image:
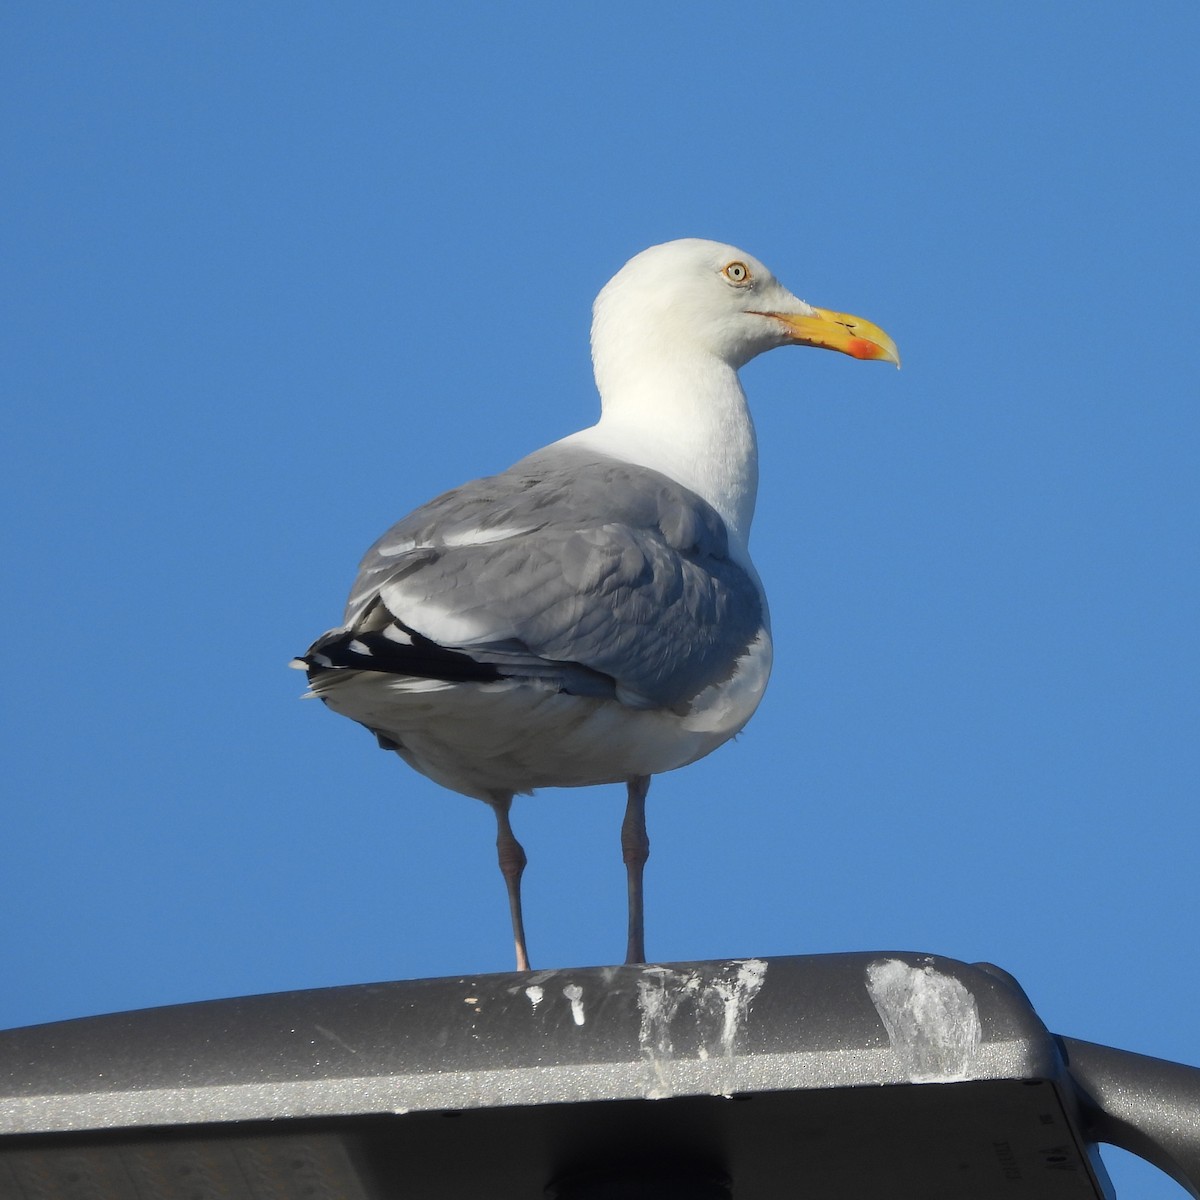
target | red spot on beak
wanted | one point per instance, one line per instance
(861, 348)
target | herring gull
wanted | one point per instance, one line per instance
(591, 615)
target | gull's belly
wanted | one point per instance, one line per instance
(514, 736)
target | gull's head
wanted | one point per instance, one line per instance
(698, 297)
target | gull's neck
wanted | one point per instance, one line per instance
(686, 416)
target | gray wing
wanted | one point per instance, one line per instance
(569, 560)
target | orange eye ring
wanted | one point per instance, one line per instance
(736, 272)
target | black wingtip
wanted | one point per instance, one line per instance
(418, 658)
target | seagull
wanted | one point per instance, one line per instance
(591, 615)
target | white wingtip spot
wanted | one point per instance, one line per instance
(482, 537)
(397, 548)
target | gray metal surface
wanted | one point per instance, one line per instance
(1145, 1105)
(891, 1074)
(544, 1037)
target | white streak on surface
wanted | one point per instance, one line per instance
(333, 1037)
(660, 993)
(574, 993)
(718, 1008)
(735, 996)
(535, 995)
(931, 1019)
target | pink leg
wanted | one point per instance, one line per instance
(512, 863)
(635, 849)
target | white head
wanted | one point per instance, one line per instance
(669, 332)
(694, 297)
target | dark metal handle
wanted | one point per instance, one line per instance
(1145, 1105)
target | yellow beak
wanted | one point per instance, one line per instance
(839, 331)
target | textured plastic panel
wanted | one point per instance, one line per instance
(994, 1140)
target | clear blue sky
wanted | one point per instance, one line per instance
(278, 273)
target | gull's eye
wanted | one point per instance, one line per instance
(737, 272)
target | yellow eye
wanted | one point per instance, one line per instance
(737, 272)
